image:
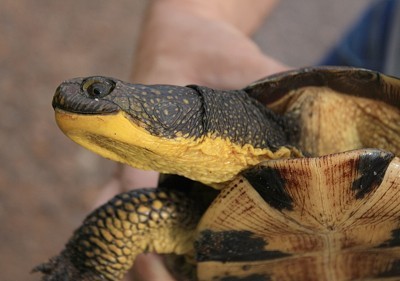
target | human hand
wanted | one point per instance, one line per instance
(193, 42)
(149, 267)
(199, 42)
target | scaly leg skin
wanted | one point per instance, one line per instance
(106, 245)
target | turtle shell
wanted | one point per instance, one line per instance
(335, 217)
(332, 216)
(335, 108)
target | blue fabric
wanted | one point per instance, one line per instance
(366, 43)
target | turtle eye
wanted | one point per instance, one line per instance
(98, 87)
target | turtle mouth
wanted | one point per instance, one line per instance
(85, 96)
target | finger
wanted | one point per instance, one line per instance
(132, 178)
(110, 189)
(125, 179)
(150, 267)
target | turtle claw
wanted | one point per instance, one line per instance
(59, 268)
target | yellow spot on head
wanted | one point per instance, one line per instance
(155, 91)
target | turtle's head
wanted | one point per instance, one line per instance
(126, 122)
(171, 129)
(160, 110)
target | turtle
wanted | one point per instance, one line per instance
(294, 177)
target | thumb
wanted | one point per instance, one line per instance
(150, 267)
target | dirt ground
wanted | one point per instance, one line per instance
(47, 183)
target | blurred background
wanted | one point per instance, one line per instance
(47, 183)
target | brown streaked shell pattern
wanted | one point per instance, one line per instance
(335, 217)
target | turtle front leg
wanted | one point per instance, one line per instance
(106, 245)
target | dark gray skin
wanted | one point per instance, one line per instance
(167, 111)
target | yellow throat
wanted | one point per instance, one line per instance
(208, 159)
